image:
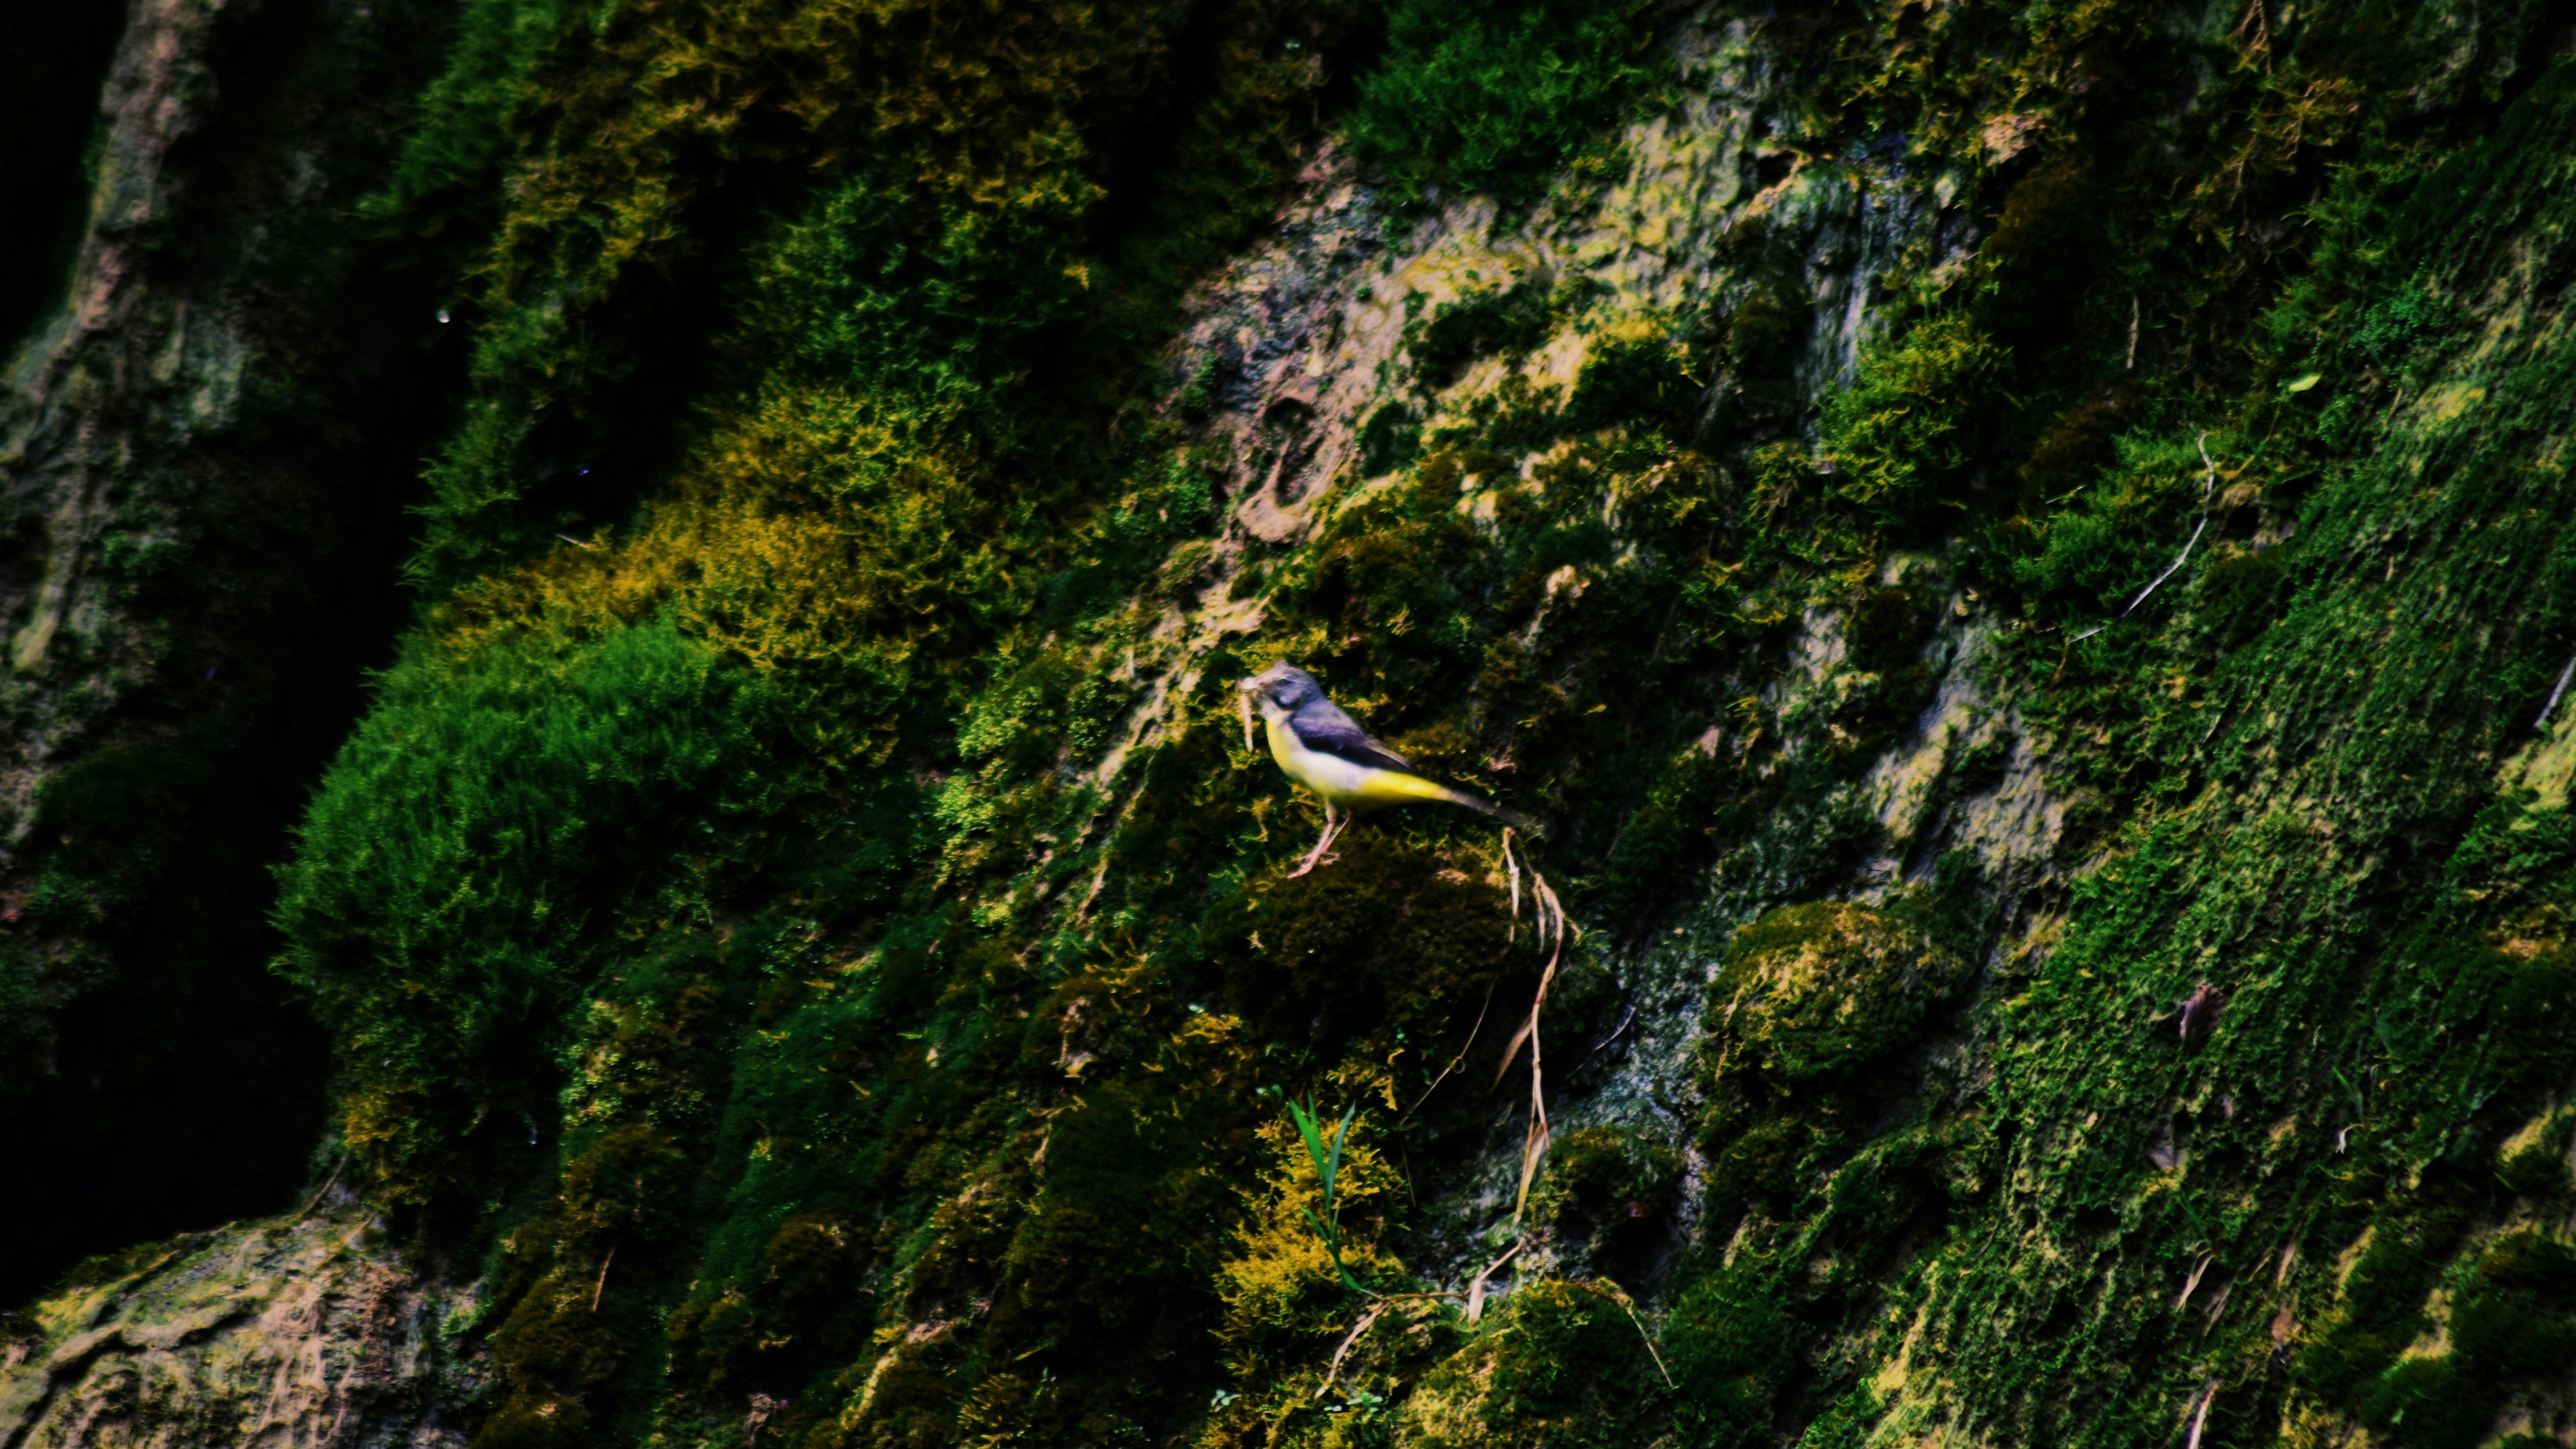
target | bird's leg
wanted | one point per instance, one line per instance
(1333, 834)
(1315, 857)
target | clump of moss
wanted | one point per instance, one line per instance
(1564, 1364)
(1729, 1345)
(2510, 1322)
(1388, 940)
(1891, 664)
(1638, 377)
(1807, 1022)
(1491, 97)
(1613, 1189)
(1285, 1300)
(1904, 439)
(1824, 989)
(474, 808)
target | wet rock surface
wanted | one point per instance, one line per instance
(301, 1332)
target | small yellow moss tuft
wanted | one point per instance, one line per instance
(1284, 1304)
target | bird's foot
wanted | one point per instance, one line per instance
(1315, 857)
(1310, 862)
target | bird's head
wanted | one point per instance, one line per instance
(1283, 687)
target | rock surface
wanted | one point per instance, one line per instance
(202, 469)
(303, 1333)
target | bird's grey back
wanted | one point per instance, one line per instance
(1320, 710)
(1323, 725)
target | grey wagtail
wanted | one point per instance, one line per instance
(1326, 751)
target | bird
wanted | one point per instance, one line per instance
(1322, 748)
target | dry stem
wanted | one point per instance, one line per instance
(2208, 482)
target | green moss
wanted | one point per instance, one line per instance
(1285, 1301)
(1493, 97)
(1614, 1190)
(2516, 1317)
(1564, 1364)
(798, 758)
(1903, 438)
(1635, 379)
(1389, 440)
(1728, 1344)
(461, 878)
(1388, 942)
(1819, 990)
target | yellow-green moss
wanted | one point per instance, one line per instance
(1824, 989)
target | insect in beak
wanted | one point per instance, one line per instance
(1243, 689)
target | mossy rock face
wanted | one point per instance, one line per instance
(1817, 990)
(1567, 1367)
(1614, 1187)
(803, 921)
(1600, 1174)
(1383, 939)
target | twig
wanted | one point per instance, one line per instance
(1620, 1031)
(2217, 1306)
(1512, 1049)
(2208, 1393)
(1551, 921)
(602, 1285)
(1534, 1149)
(1476, 1290)
(1536, 1152)
(1621, 1295)
(2194, 1281)
(1551, 913)
(1351, 1338)
(1456, 1061)
(2261, 39)
(2560, 688)
(2208, 482)
(328, 1183)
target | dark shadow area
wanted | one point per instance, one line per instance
(189, 1085)
(596, 463)
(190, 1091)
(52, 69)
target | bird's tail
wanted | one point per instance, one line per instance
(1503, 813)
(1394, 787)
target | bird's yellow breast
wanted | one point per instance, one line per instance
(1344, 783)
